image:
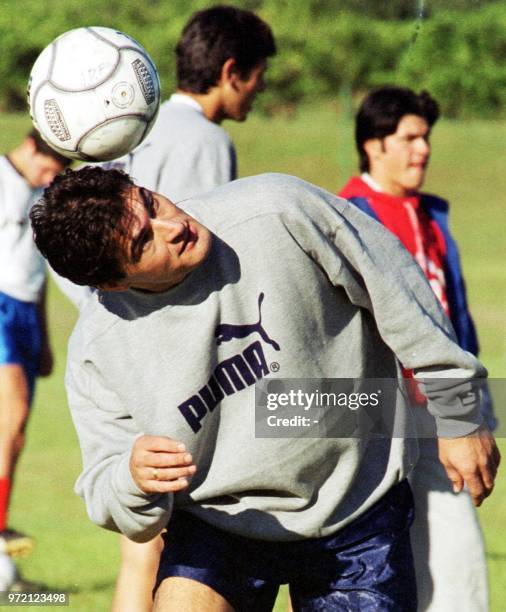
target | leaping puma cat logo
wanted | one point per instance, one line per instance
(227, 331)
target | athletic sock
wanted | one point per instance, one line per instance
(5, 489)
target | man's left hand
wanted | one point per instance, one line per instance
(472, 460)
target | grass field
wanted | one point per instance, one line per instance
(77, 557)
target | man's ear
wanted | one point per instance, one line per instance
(373, 148)
(229, 73)
(30, 145)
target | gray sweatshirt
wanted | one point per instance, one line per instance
(341, 299)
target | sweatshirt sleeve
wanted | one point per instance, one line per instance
(106, 436)
(378, 274)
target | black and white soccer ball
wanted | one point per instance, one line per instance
(94, 94)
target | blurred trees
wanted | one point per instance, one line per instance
(454, 48)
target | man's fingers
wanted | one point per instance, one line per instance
(164, 480)
(488, 472)
(488, 467)
(164, 486)
(456, 478)
(160, 465)
(477, 488)
(166, 474)
(167, 460)
(488, 481)
(146, 460)
(158, 444)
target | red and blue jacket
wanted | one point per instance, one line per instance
(383, 207)
(427, 235)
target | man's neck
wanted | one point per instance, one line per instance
(209, 102)
(367, 178)
(378, 183)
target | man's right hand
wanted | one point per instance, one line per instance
(160, 465)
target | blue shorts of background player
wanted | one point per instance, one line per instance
(20, 336)
(365, 566)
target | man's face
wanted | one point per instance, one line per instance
(164, 244)
(41, 169)
(238, 98)
(399, 161)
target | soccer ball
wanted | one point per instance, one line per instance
(94, 94)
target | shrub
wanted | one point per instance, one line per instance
(323, 45)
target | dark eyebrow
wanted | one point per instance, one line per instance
(138, 243)
(147, 200)
(146, 234)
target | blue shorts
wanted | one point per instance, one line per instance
(365, 566)
(20, 336)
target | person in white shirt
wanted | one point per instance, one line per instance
(24, 347)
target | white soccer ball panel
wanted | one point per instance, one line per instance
(82, 61)
(40, 70)
(125, 132)
(38, 75)
(117, 38)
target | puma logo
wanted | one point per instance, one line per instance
(226, 331)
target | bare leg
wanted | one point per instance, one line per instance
(14, 410)
(137, 574)
(184, 595)
(14, 407)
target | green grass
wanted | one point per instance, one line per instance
(316, 144)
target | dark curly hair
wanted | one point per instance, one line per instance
(79, 223)
(214, 35)
(381, 111)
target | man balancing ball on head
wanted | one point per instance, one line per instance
(153, 394)
(221, 59)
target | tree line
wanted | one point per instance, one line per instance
(454, 48)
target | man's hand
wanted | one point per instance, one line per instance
(472, 460)
(160, 465)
